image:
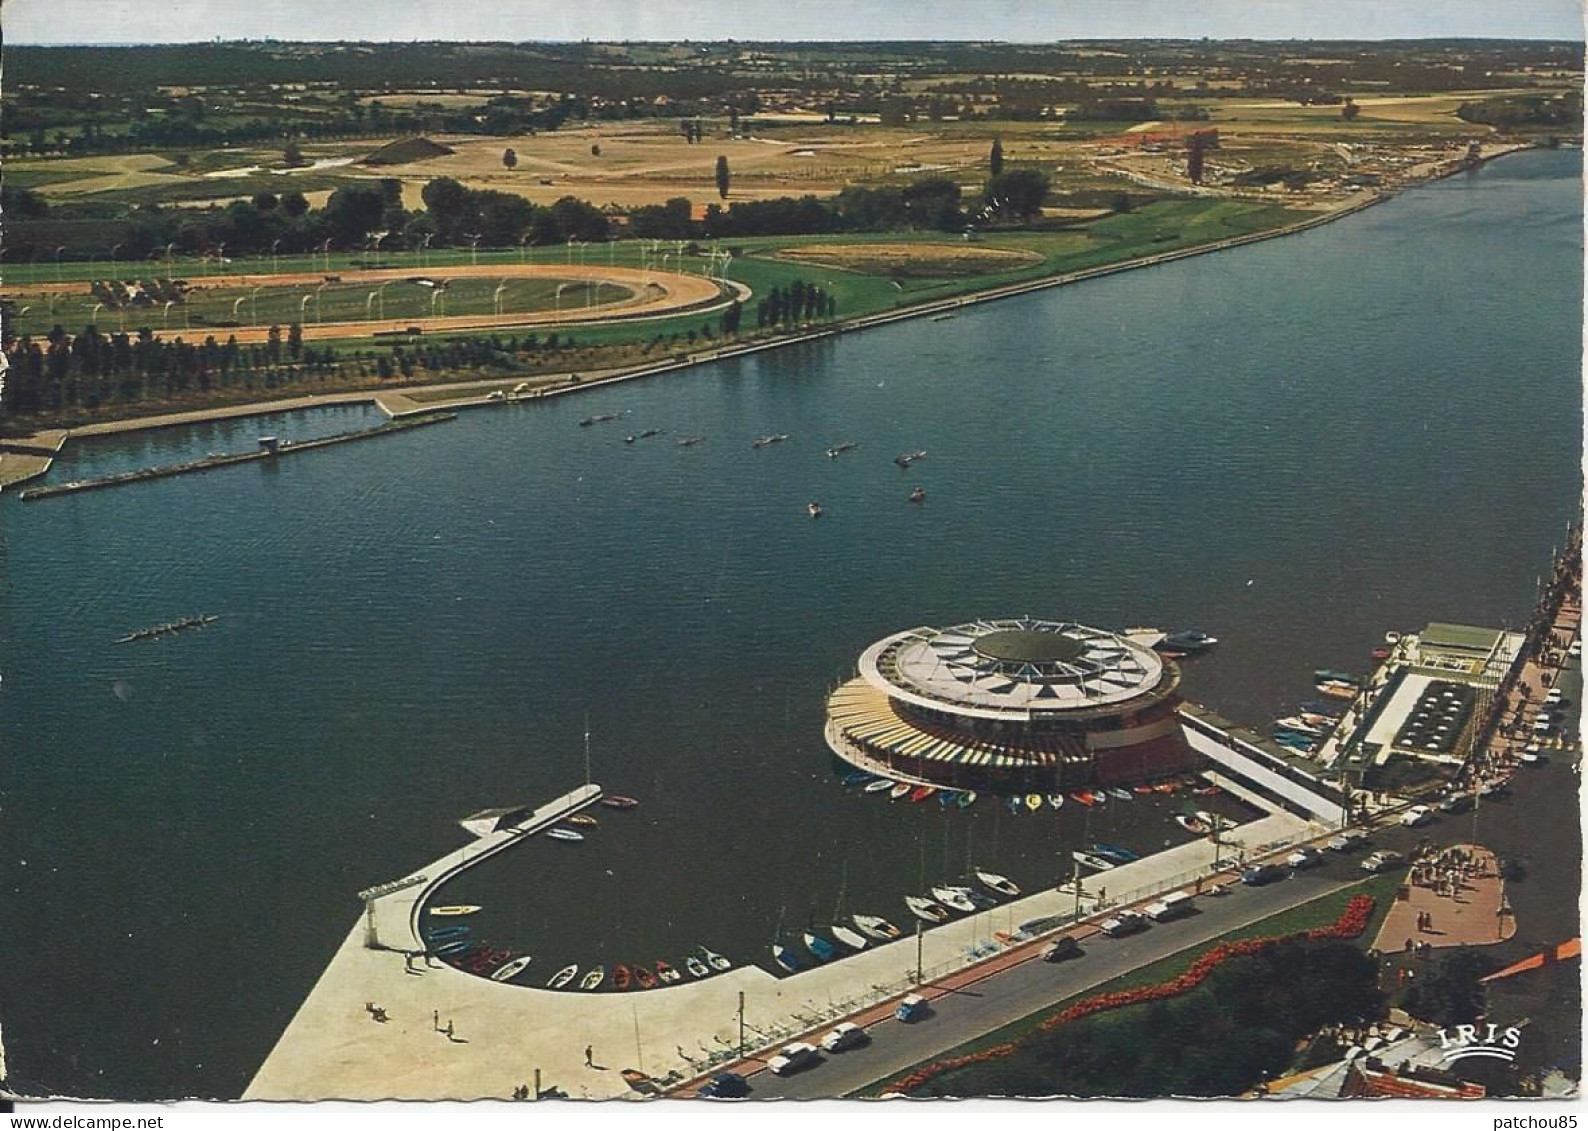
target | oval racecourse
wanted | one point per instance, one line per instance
(640, 295)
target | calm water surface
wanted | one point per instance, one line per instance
(1295, 446)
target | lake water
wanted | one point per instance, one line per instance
(1295, 446)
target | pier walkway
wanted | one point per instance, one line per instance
(503, 1034)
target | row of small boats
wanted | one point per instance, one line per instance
(1020, 802)
(936, 907)
(701, 963)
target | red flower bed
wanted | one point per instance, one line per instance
(1352, 922)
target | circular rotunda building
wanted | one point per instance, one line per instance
(1011, 705)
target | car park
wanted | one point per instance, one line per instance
(1381, 861)
(792, 1058)
(726, 1086)
(1304, 858)
(1124, 923)
(1062, 948)
(846, 1035)
(1417, 815)
(1348, 840)
(1260, 874)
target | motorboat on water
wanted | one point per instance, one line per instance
(696, 968)
(456, 909)
(560, 833)
(900, 789)
(1213, 820)
(967, 799)
(1000, 884)
(1084, 796)
(614, 801)
(600, 419)
(646, 980)
(665, 971)
(715, 960)
(1142, 789)
(583, 819)
(948, 798)
(1392, 638)
(1292, 722)
(1033, 801)
(1329, 675)
(859, 777)
(1092, 860)
(926, 909)
(1016, 803)
(839, 449)
(820, 948)
(875, 927)
(850, 937)
(880, 785)
(1121, 793)
(593, 979)
(1188, 642)
(690, 441)
(1115, 853)
(918, 495)
(922, 792)
(957, 898)
(1056, 800)
(562, 977)
(813, 509)
(785, 958)
(622, 977)
(453, 947)
(763, 441)
(1191, 825)
(512, 969)
(1337, 690)
(910, 457)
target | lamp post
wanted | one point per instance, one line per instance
(253, 303)
(524, 239)
(496, 298)
(474, 248)
(113, 249)
(58, 262)
(325, 250)
(165, 317)
(319, 311)
(303, 305)
(275, 262)
(169, 248)
(237, 303)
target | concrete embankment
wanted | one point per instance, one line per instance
(210, 463)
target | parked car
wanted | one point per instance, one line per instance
(1456, 803)
(1062, 948)
(1417, 815)
(1348, 840)
(1575, 649)
(1171, 906)
(1260, 874)
(1304, 858)
(845, 1036)
(726, 1086)
(1124, 923)
(793, 1058)
(1381, 861)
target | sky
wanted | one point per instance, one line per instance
(146, 21)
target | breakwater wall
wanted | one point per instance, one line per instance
(211, 463)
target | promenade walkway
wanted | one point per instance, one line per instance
(502, 1033)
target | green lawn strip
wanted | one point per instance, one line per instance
(1315, 913)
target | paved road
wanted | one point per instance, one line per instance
(1008, 996)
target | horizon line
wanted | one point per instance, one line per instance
(222, 42)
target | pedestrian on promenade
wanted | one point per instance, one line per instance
(589, 1056)
(435, 1019)
(448, 1029)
